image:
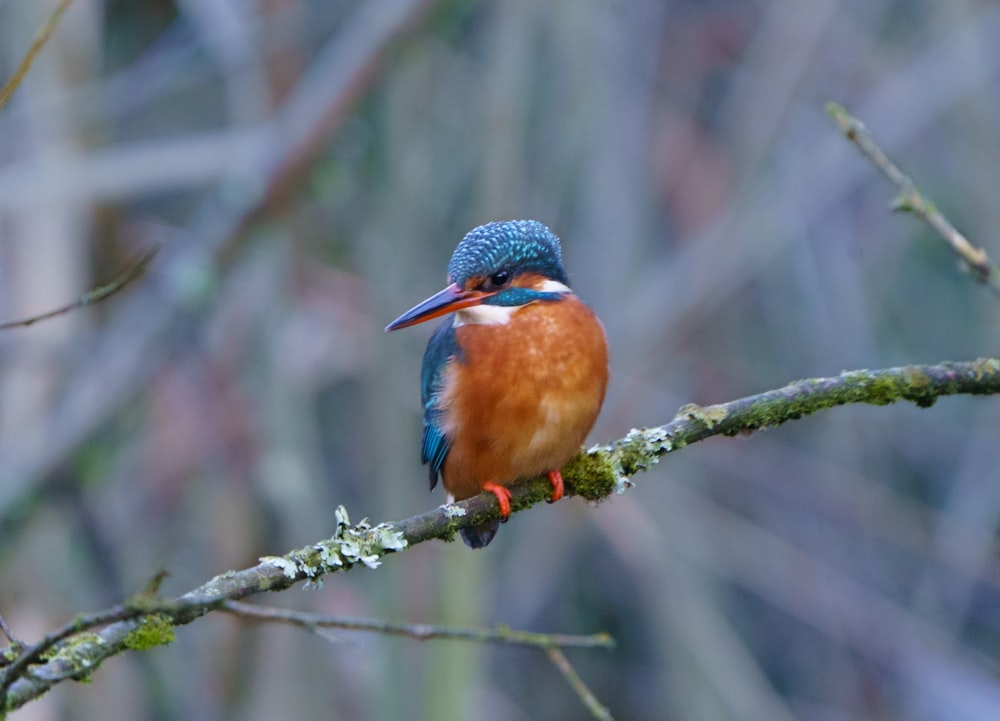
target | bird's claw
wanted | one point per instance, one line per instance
(502, 494)
(558, 489)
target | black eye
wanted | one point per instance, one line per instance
(499, 278)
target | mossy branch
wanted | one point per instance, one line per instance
(76, 650)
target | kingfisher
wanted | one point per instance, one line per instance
(512, 381)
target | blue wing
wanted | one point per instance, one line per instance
(441, 348)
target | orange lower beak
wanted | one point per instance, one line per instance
(441, 303)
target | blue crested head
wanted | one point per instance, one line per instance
(510, 247)
(502, 264)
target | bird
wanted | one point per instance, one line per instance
(513, 379)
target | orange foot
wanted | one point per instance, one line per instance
(555, 478)
(503, 498)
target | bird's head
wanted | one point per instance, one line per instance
(499, 266)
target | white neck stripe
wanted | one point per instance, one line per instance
(554, 286)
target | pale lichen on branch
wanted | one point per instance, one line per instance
(349, 546)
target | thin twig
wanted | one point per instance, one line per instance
(39, 42)
(597, 709)
(93, 296)
(418, 631)
(15, 646)
(911, 200)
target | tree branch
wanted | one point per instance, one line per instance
(416, 631)
(552, 643)
(145, 621)
(913, 201)
(597, 710)
(29, 57)
(96, 295)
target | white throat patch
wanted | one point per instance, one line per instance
(485, 315)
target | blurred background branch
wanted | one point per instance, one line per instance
(596, 708)
(416, 631)
(24, 66)
(130, 274)
(551, 643)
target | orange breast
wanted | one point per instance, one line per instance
(523, 396)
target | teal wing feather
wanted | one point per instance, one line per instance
(441, 349)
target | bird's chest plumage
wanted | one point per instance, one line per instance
(521, 396)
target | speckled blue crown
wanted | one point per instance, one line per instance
(519, 246)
